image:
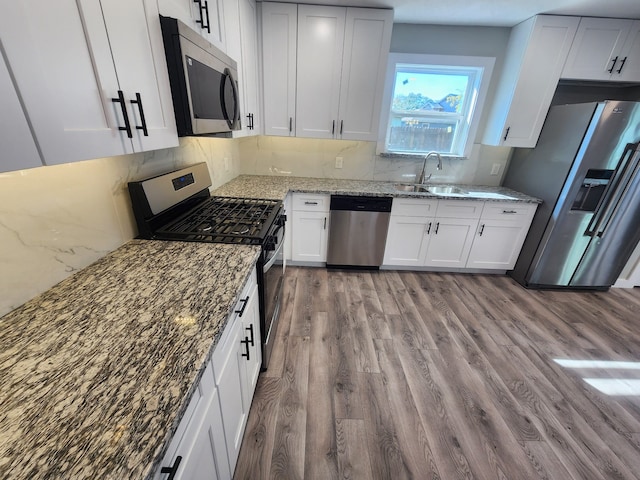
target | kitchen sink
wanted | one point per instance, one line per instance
(446, 190)
(410, 187)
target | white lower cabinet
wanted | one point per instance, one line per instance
(310, 225)
(431, 233)
(207, 441)
(198, 448)
(501, 232)
(456, 233)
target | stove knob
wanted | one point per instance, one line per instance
(281, 220)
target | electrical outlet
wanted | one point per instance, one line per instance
(338, 162)
(227, 164)
(495, 169)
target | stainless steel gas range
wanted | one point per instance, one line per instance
(178, 206)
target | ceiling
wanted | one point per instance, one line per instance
(503, 13)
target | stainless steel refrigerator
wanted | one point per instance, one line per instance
(586, 169)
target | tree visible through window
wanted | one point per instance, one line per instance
(432, 107)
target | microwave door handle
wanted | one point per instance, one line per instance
(233, 117)
(612, 191)
(621, 190)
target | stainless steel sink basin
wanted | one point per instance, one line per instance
(445, 190)
(410, 187)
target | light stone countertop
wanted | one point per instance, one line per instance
(97, 371)
(277, 187)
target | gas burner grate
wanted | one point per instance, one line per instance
(225, 220)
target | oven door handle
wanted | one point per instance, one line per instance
(276, 252)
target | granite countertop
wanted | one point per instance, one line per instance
(97, 371)
(277, 187)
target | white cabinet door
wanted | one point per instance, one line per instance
(198, 448)
(250, 67)
(535, 58)
(497, 244)
(364, 64)
(251, 347)
(207, 457)
(501, 232)
(242, 46)
(214, 16)
(630, 71)
(407, 240)
(310, 234)
(18, 146)
(229, 380)
(279, 46)
(136, 44)
(450, 242)
(319, 67)
(187, 11)
(603, 49)
(67, 77)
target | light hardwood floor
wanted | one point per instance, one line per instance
(394, 375)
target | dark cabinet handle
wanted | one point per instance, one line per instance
(506, 134)
(246, 346)
(429, 228)
(341, 125)
(324, 227)
(310, 203)
(613, 64)
(437, 227)
(244, 302)
(125, 115)
(290, 124)
(509, 211)
(622, 65)
(481, 230)
(333, 127)
(250, 328)
(250, 123)
(206, 11)
(203, 8)
(138, 101)
(173, 469)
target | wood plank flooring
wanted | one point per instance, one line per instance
(405, 375)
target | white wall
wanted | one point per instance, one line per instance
(56, 220)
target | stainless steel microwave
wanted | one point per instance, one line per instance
(203, 82)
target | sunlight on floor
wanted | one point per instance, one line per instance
(608, 386)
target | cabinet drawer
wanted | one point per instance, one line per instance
(460, 208)
(414, 207)
(309, 202)
(516, 212)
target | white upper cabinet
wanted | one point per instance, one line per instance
(279, 40)
(327, 80)
(605, 49)
(364, 63)
(320, 45)
(242, 45)
(535, 58)
(206, 17)
(18, 146)
(342, 57)
(80, 84)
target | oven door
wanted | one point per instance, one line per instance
(272, 278)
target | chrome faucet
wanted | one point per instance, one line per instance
(421, 178)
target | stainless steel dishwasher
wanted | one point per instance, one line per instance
(357, 231)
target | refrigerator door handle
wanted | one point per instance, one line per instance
(629, 172)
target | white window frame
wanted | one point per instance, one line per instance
(486, 63)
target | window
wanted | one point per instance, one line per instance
(433, 103)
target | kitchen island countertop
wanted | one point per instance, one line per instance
(97, 371)
(277, 187)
